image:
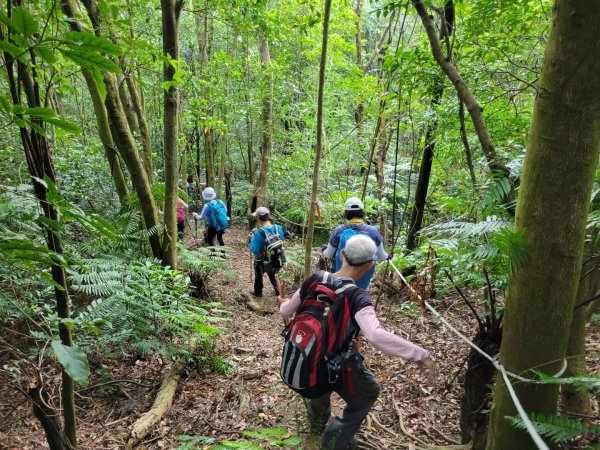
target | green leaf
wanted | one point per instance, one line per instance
(91, 60)
(11, 49)
(4, 104)
(42, 113)
(89, 41)
(46, 54)
(64, 124)
(74, 361)
(23, 22)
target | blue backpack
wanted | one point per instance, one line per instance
(365, 280)
(346, 234)
(218, 216)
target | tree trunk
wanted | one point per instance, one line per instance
(170, 31)
(360, 107)
(462, 89)
(319, 147)
(465, 139)
(126, 102)
(260, 187)
(416, 219)
(72, 10)
(556, 185)
(40, 165)
(126, 144)
(140, 113)
(128, 150)
(572, 399)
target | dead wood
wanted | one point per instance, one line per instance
(251, 304)
(162, 403)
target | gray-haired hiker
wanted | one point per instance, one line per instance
(320, 355)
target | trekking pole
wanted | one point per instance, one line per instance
(281, 287)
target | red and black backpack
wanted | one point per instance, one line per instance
(320, 336)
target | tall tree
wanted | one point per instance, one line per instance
(260, 187)
(171, 10)
(437, 91)
(558, 173)
(319, 146)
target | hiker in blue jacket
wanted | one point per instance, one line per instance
(214, 215)
(354, 212)
(262, 264)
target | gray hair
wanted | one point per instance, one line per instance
(359, 250)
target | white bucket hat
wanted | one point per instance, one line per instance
(209, 194)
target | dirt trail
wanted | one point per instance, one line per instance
(251, 396)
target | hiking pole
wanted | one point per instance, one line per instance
(281, 288)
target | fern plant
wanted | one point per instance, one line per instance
(557, 428)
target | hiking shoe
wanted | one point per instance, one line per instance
(255, 295)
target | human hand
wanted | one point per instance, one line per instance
(281, 300)
(389, 257)
(427, 368)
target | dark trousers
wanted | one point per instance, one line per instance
(180, 228)
(210, 236)
(258, 279)
(359, 389)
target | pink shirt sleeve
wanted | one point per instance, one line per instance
(383, 340)
(289, 308)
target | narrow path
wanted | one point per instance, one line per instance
(252, 395)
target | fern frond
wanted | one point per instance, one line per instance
(556, 428)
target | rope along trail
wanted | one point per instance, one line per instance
(541, 445)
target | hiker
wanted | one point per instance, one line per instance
(266, 244)
(180, 213)
(354, 212)
(343, 370)
(214, 215)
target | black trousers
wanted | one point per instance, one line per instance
(210, 236)
(258, 279)
(359, 389)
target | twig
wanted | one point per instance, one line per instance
(452, 441)
(217, 428)
(403, 428)
(117, 381)
(479, 321)
(383, 427)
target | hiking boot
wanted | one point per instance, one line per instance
(255, 295)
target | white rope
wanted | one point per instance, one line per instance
(530, 428)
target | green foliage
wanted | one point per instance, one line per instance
(275, 437)
(74, 361)
(556, 428)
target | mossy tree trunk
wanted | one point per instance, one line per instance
(557, 178)
(71, 10)
(126, 145)
(171, 10)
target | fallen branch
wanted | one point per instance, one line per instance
(404, 430)
(162, 403)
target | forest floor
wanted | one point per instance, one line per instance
(251, 396)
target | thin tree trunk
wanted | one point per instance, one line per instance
(463, 136)
(359, 109)
(126, 144)
(319, 147)
(556, 185)
(140, 113)
(126, 102)
(260, 187)
(170, 31)
(40, 165)
(72, 10)
(416, 219)
(462, 89)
